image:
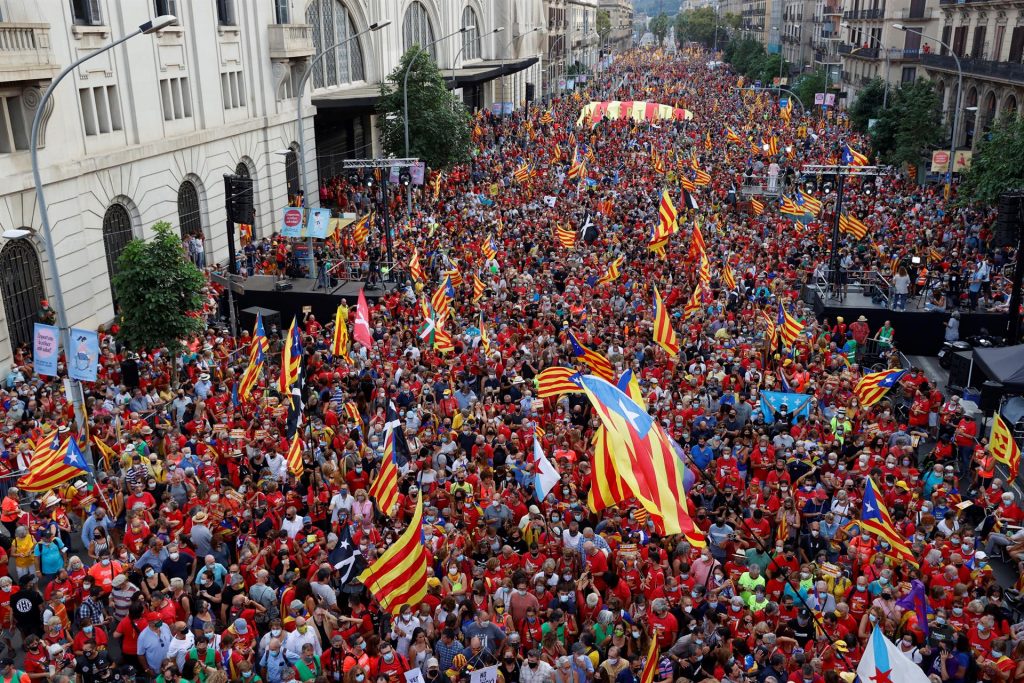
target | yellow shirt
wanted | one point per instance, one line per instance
(22, 550)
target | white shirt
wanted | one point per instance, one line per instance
(276, 463)
(338, 503)
(292, 527)
(179, 647)
(295, 640)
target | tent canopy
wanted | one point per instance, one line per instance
(638, 111)
(1004, 365)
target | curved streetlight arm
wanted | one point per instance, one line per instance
(408, 69)
(504, 58)
(44, 217)
(885, 54)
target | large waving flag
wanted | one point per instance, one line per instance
(565, 236)
(294, 457)
(788, 326)
(732, 136)
(399, 576)
(479, 289)
(727, 275)
(668, 216)
(291, 359)
(650, 671)
(791, 208)
(871, 388)
(884, 663)
(809, 203)
(62, 462)
(257, 358)
(1003, 447)
(852, 226)
(643, 456)
(384, 489)
(361, 325)
(613, 273)
(875, 517)
(852, 157)
(601, 366)
(557, 380)
(664, 335)
(545, 476)
(415, 269)
(607, 488)
(693, 305)
(339, 343)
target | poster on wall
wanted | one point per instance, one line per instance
(45, 349)
(291, 222)
(318, 222)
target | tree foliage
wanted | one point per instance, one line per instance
(159, 291)
(697, 26)
(439, 125)
(749, 58)
(808, 84)
(604, 24)
(996, 166)
(868, 104)
(909, 129)
(659, 26)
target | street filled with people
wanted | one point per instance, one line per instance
(226, 528)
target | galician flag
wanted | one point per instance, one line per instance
(884, 663)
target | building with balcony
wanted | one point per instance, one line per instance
(620, 14)
(872, 48)
(145, 132)
(755, 20)
(799, 21)
(584, 43)
(826, 38)
(988, 39)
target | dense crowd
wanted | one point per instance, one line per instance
(198, 555)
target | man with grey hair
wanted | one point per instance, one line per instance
(535, 670)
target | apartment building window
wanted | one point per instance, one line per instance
(162, 7)
(978, 45)
(14, 124)
(417, 29)
(233, 88)
(282, 11)
(86, 12)
(175, 98)
(226, 12)
(101, 110)
(21, 284)
(332, 25)
(1016, 44)
(909, 74)
(117, 233)
(470, 39)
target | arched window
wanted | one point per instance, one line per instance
(188, 209)
(417, 29)
(21, 283)
(332, 24)
(117, 233)
(242, 169)
(471, 38)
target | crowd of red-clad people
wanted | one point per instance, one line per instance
(198, 555)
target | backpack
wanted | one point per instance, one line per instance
(273, 611)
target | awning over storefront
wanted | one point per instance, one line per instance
(365, 97)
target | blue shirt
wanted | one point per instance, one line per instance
(51, 556)
(153, 646)
(90, 525)
(702, 455)
(277, 663)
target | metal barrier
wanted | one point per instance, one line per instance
(869, 283)
(762, 185)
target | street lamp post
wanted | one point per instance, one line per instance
(957, 104)
(75, 388)
(405, 98)
(504, 58)
(461, 49)
(885, 55)
(298, 116)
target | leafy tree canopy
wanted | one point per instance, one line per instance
(868, 104)
(604, 23)
(159, 292)
(659, 26)
(996, 166)
(439, 125)
(909, 129)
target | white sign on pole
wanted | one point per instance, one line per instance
(488, 675)
(414, 676)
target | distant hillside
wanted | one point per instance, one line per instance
(651, 7)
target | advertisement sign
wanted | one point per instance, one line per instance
(940, 161)
(45, 349)
(819, 98)
(291, 222)
(317, 223)
(83, 360)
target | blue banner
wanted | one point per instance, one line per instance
(772, 402)
(317, 223)
(45, 349)
(84, 356)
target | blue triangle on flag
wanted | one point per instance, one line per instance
(73, 456)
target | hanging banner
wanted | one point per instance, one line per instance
(45, 349)
(317, 224)
(291, 222)
(84, 358)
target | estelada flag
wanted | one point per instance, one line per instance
(664, 335)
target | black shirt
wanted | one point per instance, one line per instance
(26, 606)
(89, 667)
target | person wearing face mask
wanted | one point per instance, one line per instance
(536, 670)
(303, 634)
(276, 660)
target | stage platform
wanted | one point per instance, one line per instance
(918, 332)
(259, 290)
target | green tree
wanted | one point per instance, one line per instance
(697, 26)
(604, 24)
(868, 104)
(439, 125)
(659, 27)
(996, 166)
(808, 84)
(909, 129)
(159, 291)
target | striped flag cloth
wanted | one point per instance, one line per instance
(339, 343)
(657, 163)
(727, 277)
(601, 366)
(546, 118)
(701, 177)
(667, 216)
(415, 269)
(872, 387)
(257, 357)
(384, 489)
(875, 517)
(578, 167)
(59, 462)
(650, 671)
(771, 330)
(291, 359)
(707, 141)
(810, 203)
(687, 184)
(456, 276)
(352, 411)
(441, 299)
(566, 237)
(399, 576)
(664, 335)
(789, 327)
(478, 288)
(704, 271)
(361, 229)
(693, 304)
(791, 208)
(487, 248)
(613, 273)
(757, 207)
(852, 226)
(852, 157)
(108, 454)
(294, 457)
(557, 380)
(522, 174)
(485, 342)
(732, 136)
(1003, 447)
(443, 342)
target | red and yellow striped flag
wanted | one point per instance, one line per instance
(478, 289)
(664, 335)
(53, 463)
(757, 207)
(384, 489)
(613, 272)
(361, 229)
(727, 277)
(291, 360)
(693, 304)
(565, 236)
(399, 576)
(707, 141)
(352, 411)
(415, 269)
(668, 217)
(294, 457)
(650, 671)
(485, 341)
(339, 343)
(555, 381)
(1003, 447)
(599, 364)
(852, 226)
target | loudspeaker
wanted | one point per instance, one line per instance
(530, 91)
(991, 392)
(1009, 218)
(238, 199)
(247, 318)
(959, 370)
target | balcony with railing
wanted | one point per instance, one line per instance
(830, 9)
(864, 15)
(894, 54)
(25, 52)
(983, 68)
(915, 14)
(291, 41)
